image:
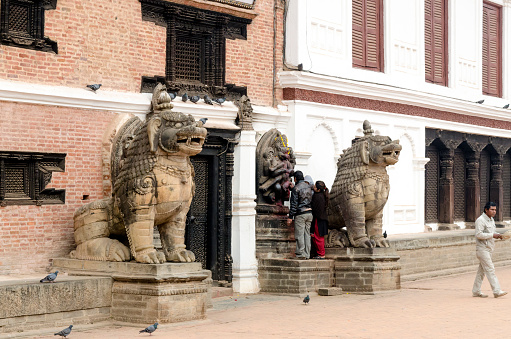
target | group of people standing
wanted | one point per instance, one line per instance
(308, 211)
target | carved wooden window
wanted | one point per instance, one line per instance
(22, 24)
(431, 185)
(459, 185)
(506, 182)
(492, 50)
(484, 178)
(435, 41)
(24, 177)
(367, 34)
(195, 43)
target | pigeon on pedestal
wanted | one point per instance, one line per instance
(94, 87)
(50, 277)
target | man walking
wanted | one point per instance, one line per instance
(485, 243)
(300, 210)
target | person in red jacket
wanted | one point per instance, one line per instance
(319, 226)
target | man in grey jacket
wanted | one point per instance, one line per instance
(485, 243)
(300, 210)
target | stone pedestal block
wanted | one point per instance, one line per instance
(274, 238)
(291, 276)
(148, 293)
(28, 304)
(365, 270)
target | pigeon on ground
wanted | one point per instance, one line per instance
(184, 97)
(203, 120)
(385, 234)
(172, 96)
(480, 101)
(219, 101)
(195, 99)
(306, 299)
(50, 277)
(65, 332)
(150, 329)
(506, 106)
(208, 100)
(94, 87)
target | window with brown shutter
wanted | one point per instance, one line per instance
(492, 50)
(435, 41)
(367, 34)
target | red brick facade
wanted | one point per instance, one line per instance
(107, 43)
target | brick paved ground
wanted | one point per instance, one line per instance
(435, 308)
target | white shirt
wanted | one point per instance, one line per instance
(485, 227)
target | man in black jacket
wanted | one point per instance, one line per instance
(300, 210)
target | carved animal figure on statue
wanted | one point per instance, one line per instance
(153, 185)
(361, 188)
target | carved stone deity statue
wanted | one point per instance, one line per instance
(275, 164)
(361, 188)
(153, 184)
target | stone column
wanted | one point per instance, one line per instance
(497, 186)
(244, 266)
(446, 191)
(472, 189)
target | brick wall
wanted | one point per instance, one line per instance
(108, 43)
(31, 235)
(250, 63)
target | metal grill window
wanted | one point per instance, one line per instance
(188, 60)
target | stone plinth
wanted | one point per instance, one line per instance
(148, 293)
(28, 304)
(274, 238)
(291, 276)
(365, 270)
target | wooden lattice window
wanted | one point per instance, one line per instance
(484, 177)
(22, 24)
(196, 38)
(367, 34)
(492, 50)
(24, 177)
(435, 41)
(431, 185)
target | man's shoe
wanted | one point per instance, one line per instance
(480, 295)
(500, 294)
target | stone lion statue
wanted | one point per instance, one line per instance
(361, 188)
(153, 184)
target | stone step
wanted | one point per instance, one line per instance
(218, 292)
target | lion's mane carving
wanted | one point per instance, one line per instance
(361, 188)
(153, 184)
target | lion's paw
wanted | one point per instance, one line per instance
(118, 251)
(181, 255)
(363, 242)
(381, 242)
(153, 257)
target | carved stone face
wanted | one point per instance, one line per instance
(176, 133)
(384, 151)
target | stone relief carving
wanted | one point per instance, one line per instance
(275, 164)
(153, 184)
(361, 188)
(245, 110)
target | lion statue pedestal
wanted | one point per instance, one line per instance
(363, 260)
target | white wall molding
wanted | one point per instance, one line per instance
(460, 105)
